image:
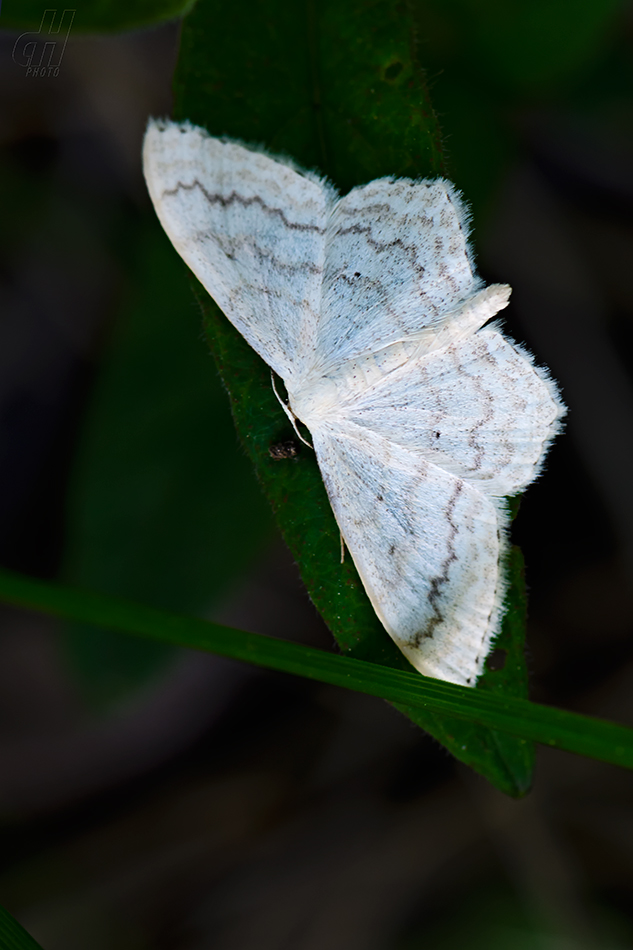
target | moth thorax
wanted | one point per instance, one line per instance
(315, 400)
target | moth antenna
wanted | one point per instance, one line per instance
(342, 547)
(288, 412)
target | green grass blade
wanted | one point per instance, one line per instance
(518, 717)
(338, 87)
(13, 936)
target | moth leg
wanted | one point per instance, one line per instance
(288, 411)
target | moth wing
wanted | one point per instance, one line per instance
(426, 544)
(478, 409)
(252, 230)
(397, 259)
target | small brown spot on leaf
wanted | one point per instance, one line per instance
(393, 71)
(497, 660)
(284, 450)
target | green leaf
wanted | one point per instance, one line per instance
(338, 87)
(505, 714)
(161, 507)
(95, 16)
(13, 936)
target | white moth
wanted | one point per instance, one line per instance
(367, 306)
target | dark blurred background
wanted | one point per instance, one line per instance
(152, 799)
